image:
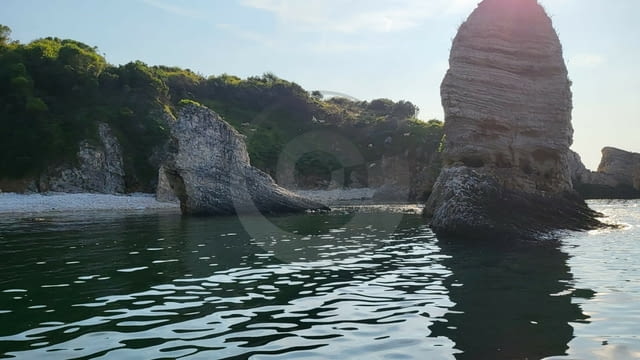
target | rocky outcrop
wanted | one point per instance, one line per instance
(580, 175)
(507, 103)
(207, 168)
(616, 178)
(99, 168)
(622, 165)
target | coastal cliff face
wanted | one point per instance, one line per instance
(207, 168)
(99, 168)
(507, 103)
(618, 176)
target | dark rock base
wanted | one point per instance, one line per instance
(476, 206)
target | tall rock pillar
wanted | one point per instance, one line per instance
(507, 104)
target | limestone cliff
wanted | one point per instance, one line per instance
(617, 176)
(208, 168)
(99, 168)
(507, 103)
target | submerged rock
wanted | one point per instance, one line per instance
(99, 168)
(208, 169)
(617, 176)
(507, 103)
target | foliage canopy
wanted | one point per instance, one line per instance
(54, 92)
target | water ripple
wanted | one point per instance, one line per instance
(325, 287)
(359, 289)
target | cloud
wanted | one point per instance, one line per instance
(334, 47)
(352, 16)
(249, 35)
(175, 9)
(587, 60)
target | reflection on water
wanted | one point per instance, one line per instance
(608, 262)
(371, 284)
(513, 301)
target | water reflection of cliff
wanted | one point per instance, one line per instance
(512, 300)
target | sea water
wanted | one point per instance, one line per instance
(357, 283)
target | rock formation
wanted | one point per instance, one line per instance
(507, 103)
(208, 169)
(99, 168)
(405, 177)
(164, 191)
(622, 165)
(617, 176)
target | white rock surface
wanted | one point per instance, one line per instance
(100, 168)
(208, 169)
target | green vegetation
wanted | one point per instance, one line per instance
(53, 93)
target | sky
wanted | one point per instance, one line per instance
(367, 49)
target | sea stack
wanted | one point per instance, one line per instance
(207, 168)
(507, 104)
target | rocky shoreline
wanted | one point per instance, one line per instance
(12, 203)
(59, 202)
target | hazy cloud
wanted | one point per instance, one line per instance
(587, 60)
(351, 16)
(174, 9)
(249, 35)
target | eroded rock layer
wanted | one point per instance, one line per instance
(208, 169)
(507, 103)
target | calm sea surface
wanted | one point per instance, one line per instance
(358, 283)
